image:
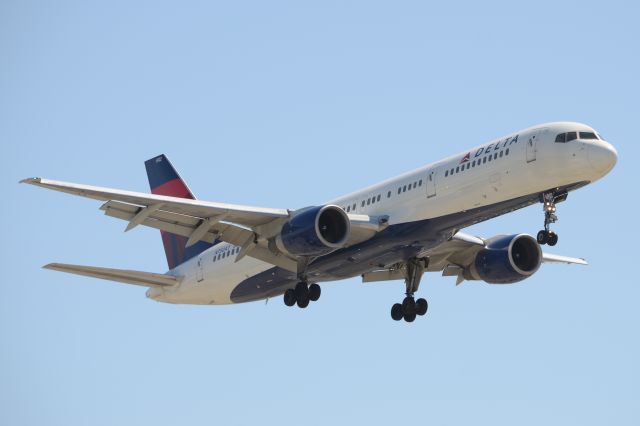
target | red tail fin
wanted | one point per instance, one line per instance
(164, 180)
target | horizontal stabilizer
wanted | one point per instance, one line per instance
(146, 279)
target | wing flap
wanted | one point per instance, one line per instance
(186, 226)
(145, 279)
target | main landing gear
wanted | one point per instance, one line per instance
(549, 200)
(410, 308)
(302, 294)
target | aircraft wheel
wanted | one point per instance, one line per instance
(303, 303)
(289, 297)
(553, 239)
(302, 291)
(409, 305)
(314, 292)
(410, 317)
(421, 306)
(542, 237)
(396, 312)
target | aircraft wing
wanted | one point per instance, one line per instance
(146, 279)
(462, 249)
(244, 215)
(244, 226)
(452, 256)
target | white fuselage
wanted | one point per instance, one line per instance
(522, 163)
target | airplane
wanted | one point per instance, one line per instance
(399, 229)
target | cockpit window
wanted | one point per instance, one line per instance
(588, 135)
(562, 137)
(572, 136)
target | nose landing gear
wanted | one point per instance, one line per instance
(549, 200)
(410, 308)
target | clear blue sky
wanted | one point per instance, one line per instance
(286, 104)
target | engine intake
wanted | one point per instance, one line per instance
(506, 260)
(314, 231)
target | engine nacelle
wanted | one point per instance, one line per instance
(314, 231)
(506, 260)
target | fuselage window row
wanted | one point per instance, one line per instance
(475, 163)
(226, 253)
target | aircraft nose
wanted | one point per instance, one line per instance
(602, 156)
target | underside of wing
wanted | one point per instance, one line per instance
(145, 279)
(457, 257)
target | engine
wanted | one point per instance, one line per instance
(506, 260)
(314, 231)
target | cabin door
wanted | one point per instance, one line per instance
(431, 184)
(200, 272)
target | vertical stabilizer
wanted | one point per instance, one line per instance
(164, 180)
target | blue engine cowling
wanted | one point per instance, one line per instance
(315, 231)
(506, 260)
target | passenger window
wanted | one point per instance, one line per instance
(404, 188)
(368, 201)
(354, 207)
(420, 182)
(501, 154)
(506, 152)
(378, 199)
(572, 136)
(495, 156)
(348, 209)
(457, 169)
(399, 190)
(363, 203)
(588, 135)
(415, 184)
(468, 166)
(389, 194)
(446, 173)
(561, 138)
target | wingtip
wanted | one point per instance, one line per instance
(31, 180)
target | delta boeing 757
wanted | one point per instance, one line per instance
(396, 230)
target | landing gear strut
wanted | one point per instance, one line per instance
(302, 294)
(410, 308)
(549, 200)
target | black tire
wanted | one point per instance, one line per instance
(303, 303)
(553, 239)
(289, 297)
(410, 317)
(542, 237)
(409, 305)
(314, 292)
(397, 312)
(302, 291)
(421, 306)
